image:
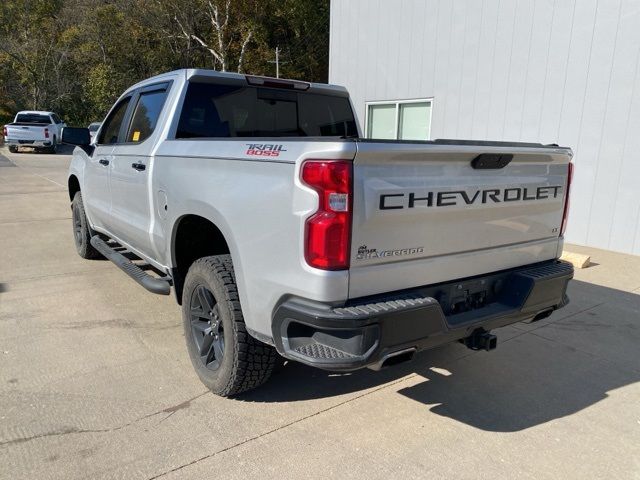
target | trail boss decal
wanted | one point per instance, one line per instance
(265, 149)
(365, 252)
(395, 201)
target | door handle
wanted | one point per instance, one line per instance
(138, 166)
(104, 161)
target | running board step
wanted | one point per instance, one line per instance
(153, 284)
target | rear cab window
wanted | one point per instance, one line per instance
(32, 118)
(235, 111)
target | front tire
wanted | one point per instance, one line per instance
(82, 232)
(227, 359)
(13, 149)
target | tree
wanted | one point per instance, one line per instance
(28, 39)
(225, 34)
(77, 56)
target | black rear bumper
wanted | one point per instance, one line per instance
(365, 332)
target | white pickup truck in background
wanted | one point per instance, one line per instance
(35, 129)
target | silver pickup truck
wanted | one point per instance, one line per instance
(282, 231)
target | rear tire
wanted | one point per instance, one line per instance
(13, 149)
(227, 359)
(54, 146)
(82, 232)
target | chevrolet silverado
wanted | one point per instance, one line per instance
(283, 232)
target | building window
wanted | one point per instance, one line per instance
(401, 120)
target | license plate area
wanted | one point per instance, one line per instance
(460, 297)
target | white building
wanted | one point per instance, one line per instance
(550, 71)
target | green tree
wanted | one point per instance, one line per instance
(77, 56)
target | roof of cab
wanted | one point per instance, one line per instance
(35, 112)
(201, 72)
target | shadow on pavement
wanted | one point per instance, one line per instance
(530, 379)
(63, 149)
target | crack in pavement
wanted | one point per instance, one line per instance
(75, 430)
(281, 427)
(26, 169)
(33, 220)
(88, 271)
(55, 433)
(174, 408)
(34, 192)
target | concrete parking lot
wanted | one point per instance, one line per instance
(95, 381)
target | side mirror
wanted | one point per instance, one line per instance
(76, 136)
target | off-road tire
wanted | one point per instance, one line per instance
(82, 232)
(246, 362)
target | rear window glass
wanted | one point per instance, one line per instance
(32, 118)
(211, 111)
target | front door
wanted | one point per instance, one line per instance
(96, 193)
(131, 208)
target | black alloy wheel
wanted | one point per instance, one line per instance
(76, 217)
(207, 328)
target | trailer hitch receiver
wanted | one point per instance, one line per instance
(480, 339)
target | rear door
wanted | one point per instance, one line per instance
(97, 191)
(131, 210)
(432, 212)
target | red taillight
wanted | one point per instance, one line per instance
(4, 132)
(46, 133)
(328, 231)
(565, 212)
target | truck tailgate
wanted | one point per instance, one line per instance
(425, 213)
(26, 132)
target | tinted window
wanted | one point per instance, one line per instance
(146, 115)
(113, 123)
(56, 118)
(32, 118)
(237, 111)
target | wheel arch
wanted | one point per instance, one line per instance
(74, 186)
(193, 237)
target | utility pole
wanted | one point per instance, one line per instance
(277, 62)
